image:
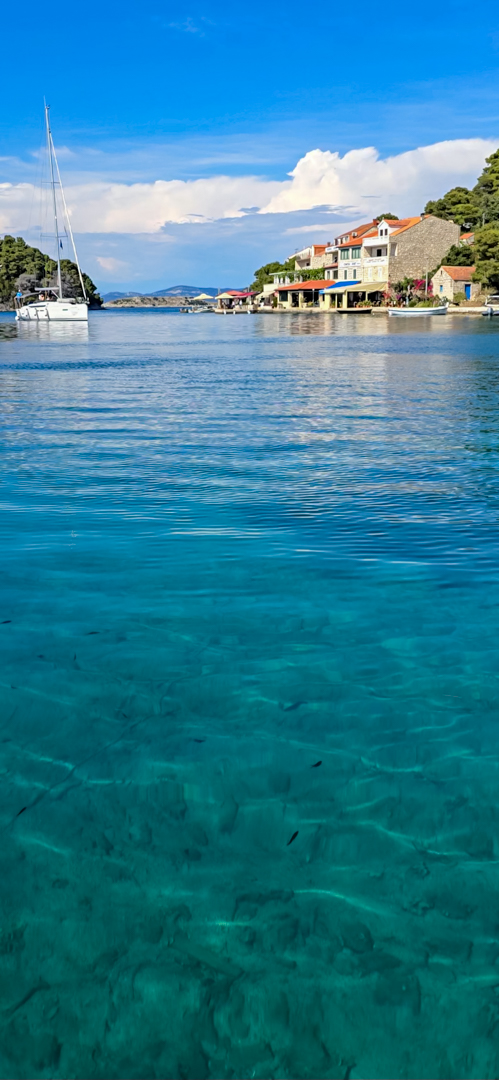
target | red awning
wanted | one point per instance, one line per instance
(302, 285)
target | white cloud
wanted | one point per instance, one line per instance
(187, 27)
(360, 182)
(111, 265)
(360, 178)
(101, 207)
(308, 229)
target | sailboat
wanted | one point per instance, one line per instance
(50, 304)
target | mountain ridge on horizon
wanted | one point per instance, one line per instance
(174, 290)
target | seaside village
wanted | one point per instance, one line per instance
(362, 268)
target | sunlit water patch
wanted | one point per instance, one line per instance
(250, 763)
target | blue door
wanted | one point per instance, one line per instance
(467, 292)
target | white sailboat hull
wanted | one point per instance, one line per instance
(409, 313)
(52, 311)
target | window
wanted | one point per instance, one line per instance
(345, 275)
(356, 253)
(345, 254)
(393, 249)
(441, 288)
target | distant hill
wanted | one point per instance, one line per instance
(117, 295)
(174, 290)
(186, 290)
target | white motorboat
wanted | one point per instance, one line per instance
(491, 305)
(50, 304)
(410, 312)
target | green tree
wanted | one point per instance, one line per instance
(488, 182)
(71, 282)
(471, 209)
(459, 205)
(386, 217)
(487, 255)
(263, 276)
(459, 255)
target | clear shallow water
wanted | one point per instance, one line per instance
(233, 549)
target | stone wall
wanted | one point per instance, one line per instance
(421, 248)
(318, 261)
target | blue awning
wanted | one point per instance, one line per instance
(339, 285)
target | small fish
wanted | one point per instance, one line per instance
(295, 834)
(316, 766)
(5, 621)
(40, 656)
(19, 812)
(90, 632)
(295, 705)
(199, 740)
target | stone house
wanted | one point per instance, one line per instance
(411, 247)
(450, 280)
(384, 252)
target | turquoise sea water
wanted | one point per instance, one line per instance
(249, 590)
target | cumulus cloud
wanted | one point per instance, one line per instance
(359, 177)
(102, 207)
(360, 182)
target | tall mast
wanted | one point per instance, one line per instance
(68, 220)
(52, 184)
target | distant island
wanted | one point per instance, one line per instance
(158, 300)
(28, 270)
(180, 291)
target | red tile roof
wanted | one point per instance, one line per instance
(405, 223)
(459, 273)
(359, 230)
(357, 242)
(304, 285)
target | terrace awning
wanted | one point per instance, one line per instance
(303, 286)
(341, 286)
(354, 286)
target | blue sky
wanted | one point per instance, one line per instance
(179, 125)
